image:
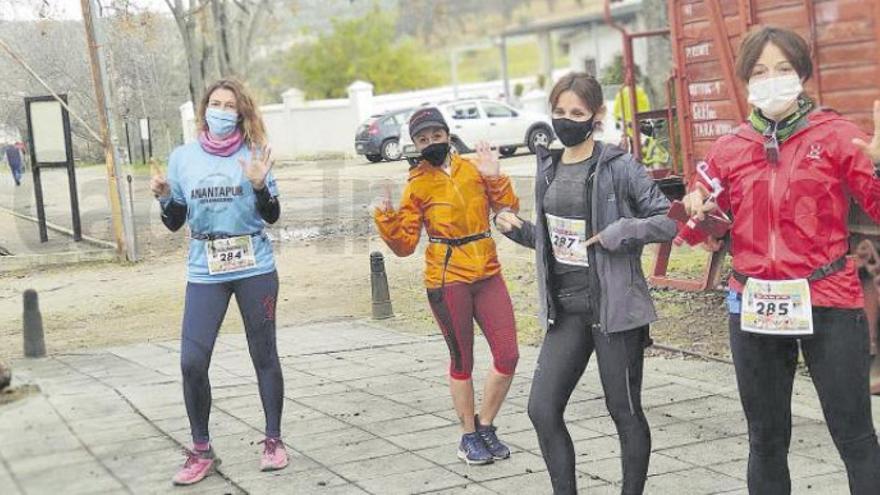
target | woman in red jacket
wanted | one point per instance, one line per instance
(788, 176)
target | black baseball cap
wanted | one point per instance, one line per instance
(426, 118)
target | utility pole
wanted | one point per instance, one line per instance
(502, 47)
(123, 221)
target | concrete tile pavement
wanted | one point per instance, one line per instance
(367, 412)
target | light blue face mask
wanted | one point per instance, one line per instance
(220, 122)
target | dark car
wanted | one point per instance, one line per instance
(378, 138)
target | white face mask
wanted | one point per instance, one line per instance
(775, 95)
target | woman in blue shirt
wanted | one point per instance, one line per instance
(222, 188)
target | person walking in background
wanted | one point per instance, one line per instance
(15, 161)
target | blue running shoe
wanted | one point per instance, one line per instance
(498, 450)
(473, 451)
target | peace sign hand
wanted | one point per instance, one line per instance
(158, 183)
(872, 149)
(383, 204)
(259, 166)
(487, 160)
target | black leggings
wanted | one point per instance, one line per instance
(202, 316)
(839, 362)
(564, 355)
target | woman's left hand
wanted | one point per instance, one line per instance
(487, 160)
(257, 169)
(872, 149)
(596, 239)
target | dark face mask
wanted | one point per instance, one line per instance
(436, 153)
(572, 133)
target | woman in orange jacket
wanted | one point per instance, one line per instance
(452, 197)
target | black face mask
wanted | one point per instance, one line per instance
(572, 133)
(436, 153)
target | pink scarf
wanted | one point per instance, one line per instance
(221, 147)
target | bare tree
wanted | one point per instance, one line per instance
(217, 37)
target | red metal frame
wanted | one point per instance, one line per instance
(721, 40)
(681, 115)
(810, 7)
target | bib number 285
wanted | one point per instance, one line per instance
(772, 309)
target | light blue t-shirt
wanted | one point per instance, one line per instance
(219, 199)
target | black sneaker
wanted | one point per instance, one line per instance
(498, 450)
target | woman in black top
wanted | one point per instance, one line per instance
(596, 208)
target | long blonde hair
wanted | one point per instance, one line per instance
(250, 122)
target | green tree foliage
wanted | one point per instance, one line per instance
(613, 74)
(368, 49)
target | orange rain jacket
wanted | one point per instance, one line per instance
(451, 206)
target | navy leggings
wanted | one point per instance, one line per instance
(203, 314)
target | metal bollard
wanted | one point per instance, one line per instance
(34, 345)
(5, 376)
(379, 283)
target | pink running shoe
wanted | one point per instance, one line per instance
(274, 455)
(198, 465)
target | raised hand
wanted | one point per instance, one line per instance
(872, 149)
(487, 160)
(257, 169)
(158, 184)
(382, 203)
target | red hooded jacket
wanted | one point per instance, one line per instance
(790, 218)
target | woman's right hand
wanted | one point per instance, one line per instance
(383, 204)
(872, 149)
(507, 221)
(158, 184)
(695, 203)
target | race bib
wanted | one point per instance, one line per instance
(780, 307)
(569, 239)
(230, 255)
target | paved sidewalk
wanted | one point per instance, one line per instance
(367, 411)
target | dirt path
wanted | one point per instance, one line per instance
(96, 305)
(323, 243)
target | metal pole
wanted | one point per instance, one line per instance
(453, 62)
(131, 208)
(149, 137)
(143, 149)
(41, 207)
(123, 226)
(128, 141)
(502, 45)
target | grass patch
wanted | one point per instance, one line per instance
(523, 60)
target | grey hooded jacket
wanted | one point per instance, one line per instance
(629, 211)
